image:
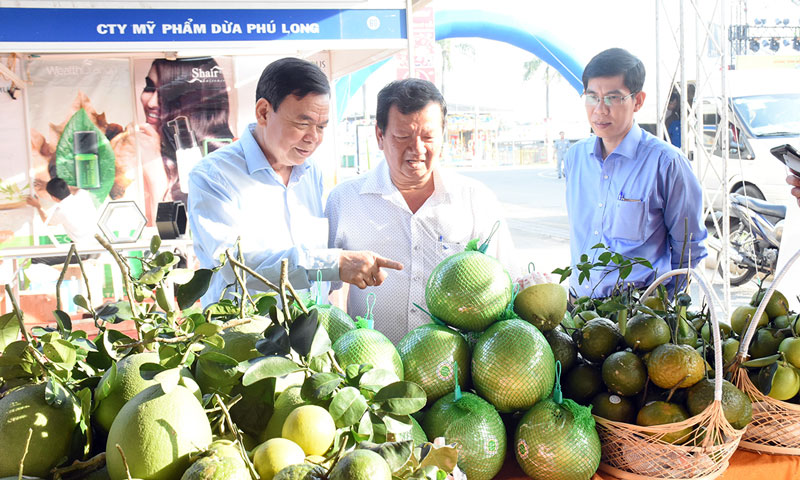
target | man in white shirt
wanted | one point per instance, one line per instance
(409, 209)
(76, 213)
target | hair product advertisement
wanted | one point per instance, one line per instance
(186, 109)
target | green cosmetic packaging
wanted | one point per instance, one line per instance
(87, 164)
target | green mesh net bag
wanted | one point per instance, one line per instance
(365, 345)
(557, 440)
(430, 353)
(469, 290)
(476, 429)
(513, 365)
(333, 319)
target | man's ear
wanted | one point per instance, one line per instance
(263, 107)
(638, 101)
(379, 136)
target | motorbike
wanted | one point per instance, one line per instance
(755, 236)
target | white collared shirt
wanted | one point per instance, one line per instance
(370, 213)
(77, 214)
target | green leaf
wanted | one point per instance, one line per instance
(396, 454)
(275, 342)
(264, 302)
(401, 398)
(81, 301)
(347, 407)
(152, 276)
(9, 329)
(190, 292)
(605, 257)
(269, 367)
(155, 244)
(598, 246)
(320, 386)
(625, 271)
(302, 331)
(166, 259)
(168, 379)
(61, 352)
(643, 262)
(65, 155)
(180, 276)
(124, 311)
(215, 341)
(55, 394)
(617, 258)
(63, 321)
(611, 306)
(208, 329)
(364, 431)
(106, 383)
(445, 458)
(376, 379)
(397, 423)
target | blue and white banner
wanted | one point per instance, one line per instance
(48, 25)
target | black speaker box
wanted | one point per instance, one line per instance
(171, 220)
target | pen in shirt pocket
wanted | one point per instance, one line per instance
(442, 246)
(623, 199)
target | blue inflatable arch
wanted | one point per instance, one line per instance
(491, 26)
(503, 28)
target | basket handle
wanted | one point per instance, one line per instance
(751, 328)
(714, 322)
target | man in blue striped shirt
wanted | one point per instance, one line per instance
(627, 189)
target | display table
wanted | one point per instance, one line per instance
(743, 466)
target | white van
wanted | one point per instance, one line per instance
(763, 112)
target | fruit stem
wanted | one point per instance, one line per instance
(93, 464)
(124, 461)
(235, 431)
(24, 454)
(240, 281)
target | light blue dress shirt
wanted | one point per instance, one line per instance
(235, 193)
(637, 202)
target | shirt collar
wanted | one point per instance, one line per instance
(381, 183)
(627, 148)
(255, 158)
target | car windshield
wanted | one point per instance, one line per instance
(770, 115)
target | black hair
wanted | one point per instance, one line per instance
(57, 188)
(613, 62)
(409, 95)
(291, 76)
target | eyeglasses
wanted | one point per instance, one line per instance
(610, 100)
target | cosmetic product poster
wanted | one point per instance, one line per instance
(81, 126)
(15, 214)
(185, 109)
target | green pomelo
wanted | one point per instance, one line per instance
(614, 407)
(128, 382)
(240, 345)
(25, 408)
(287, 401)
(736, 405)
(597, 339)
(468, 290)
(334, 320)
(361, 465)
(777, 305)
(624, 373)
(223, 461)
(303, 471)
(475, 427)
(645, 332)
(429, 353)
(557, 442)
(542, 305)
(365, 345)
(513, 366)
(157, 432)
(742, 316)
(582, 383)
(564, 348)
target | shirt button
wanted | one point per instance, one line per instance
(605, 177)
(413, 310)
(600, 204)
(416, 248)
(595, 232)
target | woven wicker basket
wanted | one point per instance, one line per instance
(633, 452)
(776, 425)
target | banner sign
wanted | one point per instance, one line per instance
(43, 25)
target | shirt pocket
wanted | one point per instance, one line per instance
(628, 222)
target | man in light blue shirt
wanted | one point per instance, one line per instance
(562, 145)
(626, 188)
(265, 190)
